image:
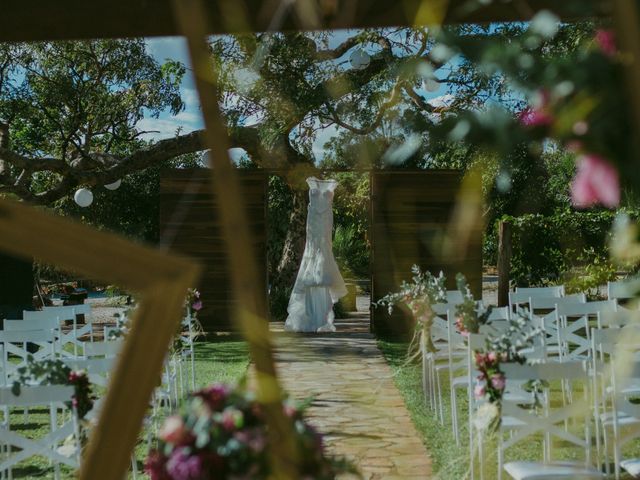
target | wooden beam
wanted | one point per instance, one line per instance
(35, 20)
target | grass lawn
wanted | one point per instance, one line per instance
(224, 359)
(449, 461)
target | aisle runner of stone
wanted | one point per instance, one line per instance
(356, 406)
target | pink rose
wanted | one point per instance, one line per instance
(498, 381)
(596, 181)
(479, 391)
(492, 357)
(606, 41)
(480, 360)
(175, 432)
(535, 118)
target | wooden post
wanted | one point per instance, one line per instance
(504, 262)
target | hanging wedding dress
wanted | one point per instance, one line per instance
(319, 284)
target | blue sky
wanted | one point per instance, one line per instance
(190, 119)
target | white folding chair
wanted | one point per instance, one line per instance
(522, 296)
(47, 446)
(616, 378)
(575, 322)
(15, 346)
(70, 313)
(107, 348)
(548, 421)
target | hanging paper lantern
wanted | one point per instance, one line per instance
(359, 59)
(113, 186)
(83, 197)
(431, 84)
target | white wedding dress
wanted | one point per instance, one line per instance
(319, 284)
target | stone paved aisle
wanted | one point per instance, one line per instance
(357, 405)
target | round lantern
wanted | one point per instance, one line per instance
(83, 197)
(113, 186)
(359, 59)
(431, 84)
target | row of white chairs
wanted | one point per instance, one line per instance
(55, 333)
(565, 322)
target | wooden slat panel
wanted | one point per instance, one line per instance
(188, 208)
(33, 20)
(410, 216)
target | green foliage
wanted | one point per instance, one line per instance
(593, 271)
(546, 247)
(351, 252)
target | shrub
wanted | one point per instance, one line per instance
(545, 248)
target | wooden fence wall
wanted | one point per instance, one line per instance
(410, 217)
(189, 223)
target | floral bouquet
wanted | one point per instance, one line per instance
(419, 296)
(221, 433)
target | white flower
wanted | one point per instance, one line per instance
(486, 416)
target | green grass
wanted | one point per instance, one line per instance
(223, 359)
(449, 461)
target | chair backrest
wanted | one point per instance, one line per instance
(587, 308)
(107, 348)
(39, 315)
(547, 303)
(98, 369)
(454, 296)
(551, 418)
(499, 313)
(67, 312)
(555, 291)
(623, 289)
(36, 395)
(33, 324)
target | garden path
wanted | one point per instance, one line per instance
(356, 403)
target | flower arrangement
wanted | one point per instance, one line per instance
(418, 296)
(468, 316)
(221, 433)
(56, 372)
(573, 99)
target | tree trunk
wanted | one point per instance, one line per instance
(16, 274)
(504, 262)
(294, 242)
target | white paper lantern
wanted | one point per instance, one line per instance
(83, 197)
(113, 186)
(360, 59)
(431, 84)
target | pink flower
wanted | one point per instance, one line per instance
(232, 419)
(479, 391)
(196, 306)
(606, 41)
(215, 396)
(175, 432)
(596, 181)
(498, 381)
(480, 360)
(492, 357)
(530, 117)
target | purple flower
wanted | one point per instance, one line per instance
(498, 381)
(182, 466)
(196, 306)
(596, 181)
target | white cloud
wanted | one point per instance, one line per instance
(161, 128)
(441, 101)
